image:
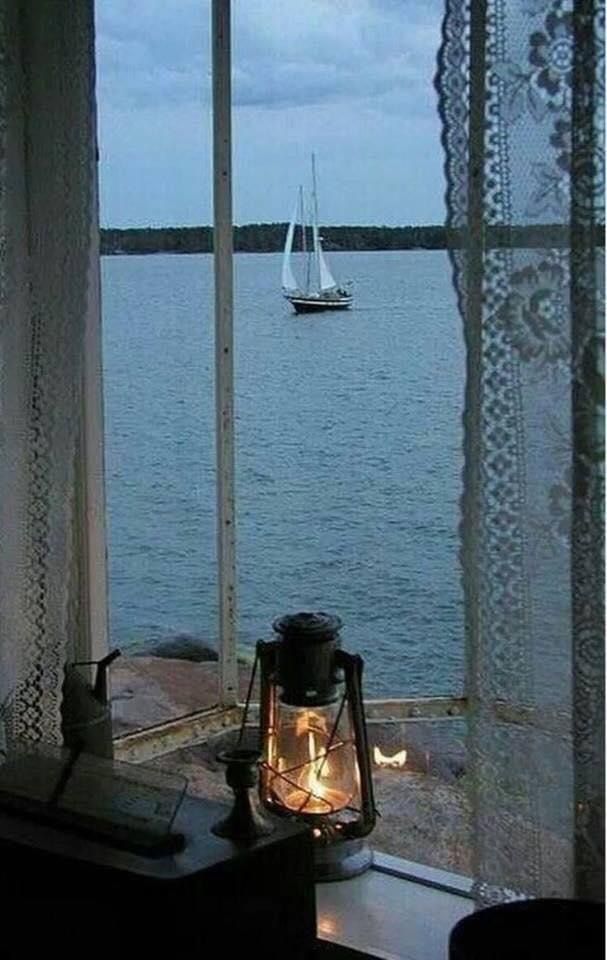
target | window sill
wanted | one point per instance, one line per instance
(397, 910)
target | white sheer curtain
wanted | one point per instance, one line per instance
(521, 95)
(49, 311)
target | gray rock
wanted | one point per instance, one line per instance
(183, 646)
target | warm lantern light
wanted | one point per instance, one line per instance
(311, 775)
(313, 739)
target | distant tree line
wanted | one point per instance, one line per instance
(270, 237)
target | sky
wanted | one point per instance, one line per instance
(351, 80)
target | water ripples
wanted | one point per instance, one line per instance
(348, 458)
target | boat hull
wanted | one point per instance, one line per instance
(317, 304)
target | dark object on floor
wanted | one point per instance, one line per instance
(211, 899)
(531, 929)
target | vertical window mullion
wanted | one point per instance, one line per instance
(224, 352)
(90, 481)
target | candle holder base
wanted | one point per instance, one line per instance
(245, 824)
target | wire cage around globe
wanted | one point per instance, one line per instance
(311, 761)
(315, 757)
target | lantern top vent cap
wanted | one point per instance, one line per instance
(312, 626)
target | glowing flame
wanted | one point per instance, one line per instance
(314, 793)
(396, 761)
(322, 796)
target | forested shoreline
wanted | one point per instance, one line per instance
(270, 237)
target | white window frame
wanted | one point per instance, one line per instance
(90, 482)
(223, 258)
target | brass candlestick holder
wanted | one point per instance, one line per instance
(246, 822)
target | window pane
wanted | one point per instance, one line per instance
(348, 424)
(153, 82)
(349, 429)
(159, 447)
(349, 463)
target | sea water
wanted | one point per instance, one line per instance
(348, 458)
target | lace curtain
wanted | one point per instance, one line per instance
(48, 294)
(521, 95)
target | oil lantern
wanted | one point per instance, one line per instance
(313, 739)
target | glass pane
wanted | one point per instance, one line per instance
(349, 464)
(312, 759)
(158, 356)
(349, 440)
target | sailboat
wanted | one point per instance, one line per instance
(320, 290)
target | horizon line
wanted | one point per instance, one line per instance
(268, 223)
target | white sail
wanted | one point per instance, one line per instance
(289, 283)
(327, 280)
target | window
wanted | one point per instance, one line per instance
(348, 426)
(533, 480)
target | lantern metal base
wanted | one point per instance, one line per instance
(341, 861)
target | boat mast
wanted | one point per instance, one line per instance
(303, 225)
(315, 222)
(304, 245)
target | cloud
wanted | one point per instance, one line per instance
(351, 79)
(284, 53)
(151, 51)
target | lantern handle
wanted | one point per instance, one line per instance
(352, 665)
(245, 712)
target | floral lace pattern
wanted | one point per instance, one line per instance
(46, 207)
(531, 525)
(534, 310)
